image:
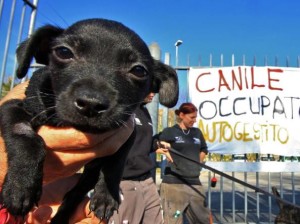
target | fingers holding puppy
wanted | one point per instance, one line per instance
(18, 92)
(69, 150)
(53, 194)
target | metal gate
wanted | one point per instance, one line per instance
(231, 202)
(14, 30)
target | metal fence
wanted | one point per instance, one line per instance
(14, 27)
(231, 202)
(234, 203)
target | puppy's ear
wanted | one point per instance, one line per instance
(165, 83)
(37, 46)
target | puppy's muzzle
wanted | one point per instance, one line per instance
(90, 97)
(90, 106)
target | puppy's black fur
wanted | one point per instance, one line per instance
(288, 214)
(96, 72)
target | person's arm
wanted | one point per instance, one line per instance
(51, 198)
(67, 148)
(64, 158)
(67, 151)
(203, 148)
(48, 205)
(162, 147)
(18, 92)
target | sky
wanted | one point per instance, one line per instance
(264, 29)
(261, 28)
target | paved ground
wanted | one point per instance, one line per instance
(249, 207)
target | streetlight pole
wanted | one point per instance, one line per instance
(177, 44)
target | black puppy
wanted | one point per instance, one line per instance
(96, 72)
(288, 214)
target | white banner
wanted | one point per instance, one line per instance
(248, 109)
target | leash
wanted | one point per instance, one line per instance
(256, 189)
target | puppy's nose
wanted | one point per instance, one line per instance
(90, 107)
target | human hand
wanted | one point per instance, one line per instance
(163, 148)
(51, 199)
(53, 194)
(67, 148)
(18, 92)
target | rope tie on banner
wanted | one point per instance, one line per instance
(256, 189)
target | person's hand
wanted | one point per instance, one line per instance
(67, 148)
(67, 151)
(51, 199)
(18, 92)
(163, 148)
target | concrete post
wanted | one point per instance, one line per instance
(153, 107)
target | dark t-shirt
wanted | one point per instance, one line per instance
(138, 160)
(190, 143)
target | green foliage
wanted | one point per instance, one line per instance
(6, 87)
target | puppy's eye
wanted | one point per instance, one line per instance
(64, 53)
(139, 71)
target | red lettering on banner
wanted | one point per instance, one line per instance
(239, 80)
(273, 80)
(198, 86)
(222, 81)
(253, 81)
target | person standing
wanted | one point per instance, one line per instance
(140, 201)
(183, 197)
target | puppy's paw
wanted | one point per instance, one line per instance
(103, 203)
(20, 194)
